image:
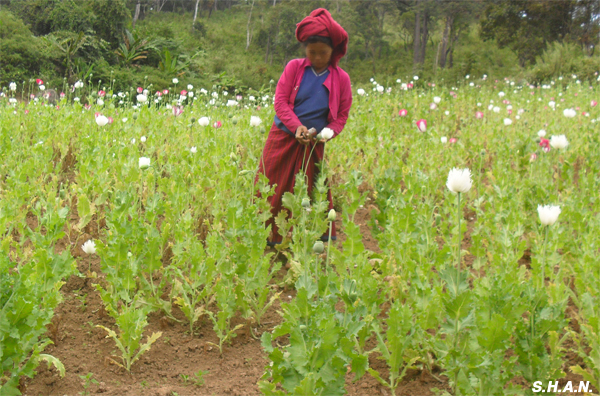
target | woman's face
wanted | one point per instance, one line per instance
(319, 55)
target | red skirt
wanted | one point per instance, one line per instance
(282, 159)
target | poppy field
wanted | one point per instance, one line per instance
(133, 257)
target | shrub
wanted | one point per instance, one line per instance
(22, 53)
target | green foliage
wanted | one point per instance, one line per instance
(110, 21)
(22, 53)
(395, 345)
(35, 14)
(71, 15)
(68, 48)
(30, 289)
(134, 48)
(564, 59)
(320, 350)
(131, 322)
(172, 65)
(526, 27)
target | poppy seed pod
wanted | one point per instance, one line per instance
(305, 203)
(331, 215)
(318, 247)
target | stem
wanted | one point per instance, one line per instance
(458, 246)
(303, 160)
(544, 256)
(328, 246)
(323, 166)
(317, 273)
(142, 193)
(479, 176)
(304, 232)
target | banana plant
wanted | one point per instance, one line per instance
(134, 48)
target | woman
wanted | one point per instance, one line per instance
(313, 92)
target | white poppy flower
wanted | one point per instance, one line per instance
(548, 214)
(144, 162)
(559, 142)
(459, 180)
(89, 247)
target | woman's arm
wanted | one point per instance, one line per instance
(283, 92)
(344, 108)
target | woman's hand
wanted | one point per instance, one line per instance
(302, 135)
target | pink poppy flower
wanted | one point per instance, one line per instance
(26, 111)
(479, 114)
(177, 110)
(183, 93)
(409, 85)
(422, 125)
(101, 93)
(217, 124)
(532, 157)
(452, 140)
(403, 113)
(140, 90)
(165, 91)
(238, 97)
(39, 82)
(593, 103)
(62, 94)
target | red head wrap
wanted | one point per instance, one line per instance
(320, 23)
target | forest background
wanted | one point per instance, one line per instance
(245, 44)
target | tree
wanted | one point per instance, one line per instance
(586, 25)
(248, 35)
(425, 12)
(527, 27)
(111, 18)
(368, 22)
(457, 16)
(21, 53)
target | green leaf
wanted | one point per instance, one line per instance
(492, 334)
(52, 361)
(85, 209)
(587, 374)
